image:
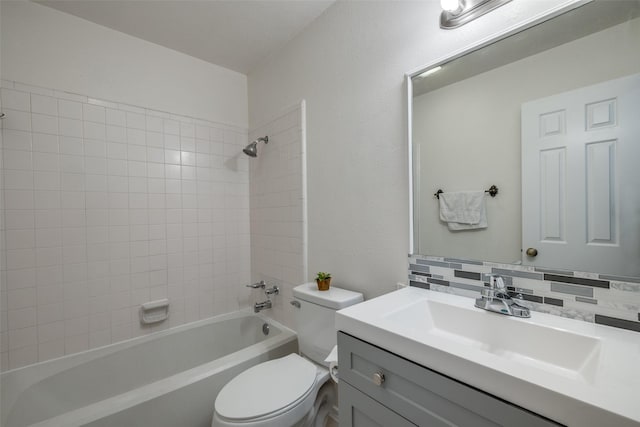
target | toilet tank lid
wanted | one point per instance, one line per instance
(335, 298)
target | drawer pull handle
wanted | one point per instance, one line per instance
(378, 378)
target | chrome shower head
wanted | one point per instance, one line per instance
(251, 150)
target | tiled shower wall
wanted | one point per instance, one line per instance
(107, 206)
(591, 297)
(278, 209)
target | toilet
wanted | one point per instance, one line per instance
(294, 390)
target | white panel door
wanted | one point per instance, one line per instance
(581, 178)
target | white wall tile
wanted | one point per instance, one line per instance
(95, 148)
(104, 208)
(22, 318)
(44, 104)
(171, 142)
(45, 143)
(171, 127)
(44, 124)
(16, 140)
(69, 109)
(20, 239)
(116, 134)
(136, 121)
(18, 199)
(15, 100)
(95, 182)
(17, 219)
(49, 257)
(23, 356)
(96, 131)
(46, 162)
(93, 113)
(46, 180)
(116, 117)
(70, 127)
(154, 124)
(16, 120)
(154, 139)
(50, 331)
(137, 152)
(50, 350)
(21, 298)
(18, 180)
(71, 145)
(136, 136)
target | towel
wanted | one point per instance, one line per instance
(464, 210)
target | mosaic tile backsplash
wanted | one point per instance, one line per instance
(591, 297)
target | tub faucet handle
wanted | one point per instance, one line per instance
(261, 284)
(274, 290)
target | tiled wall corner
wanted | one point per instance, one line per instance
(278, 220)
(591, 297)
(107, 206)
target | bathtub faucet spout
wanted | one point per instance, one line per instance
(259, 306)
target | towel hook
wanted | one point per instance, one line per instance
(493, 190)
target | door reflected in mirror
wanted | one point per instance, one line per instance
(549, 116)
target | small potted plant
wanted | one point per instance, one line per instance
(323, 280)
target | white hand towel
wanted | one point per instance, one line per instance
(463, 207)
(456, 226)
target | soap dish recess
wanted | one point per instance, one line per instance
(154, 311)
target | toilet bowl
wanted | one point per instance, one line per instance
(295, 390)
(277, 393)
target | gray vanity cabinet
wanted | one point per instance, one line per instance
(378, 388)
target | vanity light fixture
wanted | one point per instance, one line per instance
(458, 12)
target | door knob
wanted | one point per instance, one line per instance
(532, 252)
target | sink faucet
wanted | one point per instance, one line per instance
(497, 299)
(274, 290)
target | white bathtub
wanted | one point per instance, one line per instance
(170, 378)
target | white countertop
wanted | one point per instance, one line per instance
(603, 392)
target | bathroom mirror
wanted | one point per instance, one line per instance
(550, 115)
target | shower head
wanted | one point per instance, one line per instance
(251, 150)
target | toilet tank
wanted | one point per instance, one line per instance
(315, 318)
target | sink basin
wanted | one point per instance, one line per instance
(506, 337)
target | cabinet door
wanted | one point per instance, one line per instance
(359, 410)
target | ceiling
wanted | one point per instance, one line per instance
(235, 34)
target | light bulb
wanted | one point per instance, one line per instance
(450, 5)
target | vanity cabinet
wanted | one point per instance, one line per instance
(379, 388)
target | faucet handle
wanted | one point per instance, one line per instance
(261, 284)
(272, 291)
(497, 282)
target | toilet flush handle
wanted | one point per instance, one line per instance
(295, 303)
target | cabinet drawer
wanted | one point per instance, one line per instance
(359, 410)
(421, 395)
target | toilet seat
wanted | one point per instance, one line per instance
(267, 389)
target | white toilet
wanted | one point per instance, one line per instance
(289, 391)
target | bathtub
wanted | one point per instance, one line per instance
(169, 378)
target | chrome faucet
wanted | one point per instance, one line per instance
(274, 290)
(497, 299)
(259, 306)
